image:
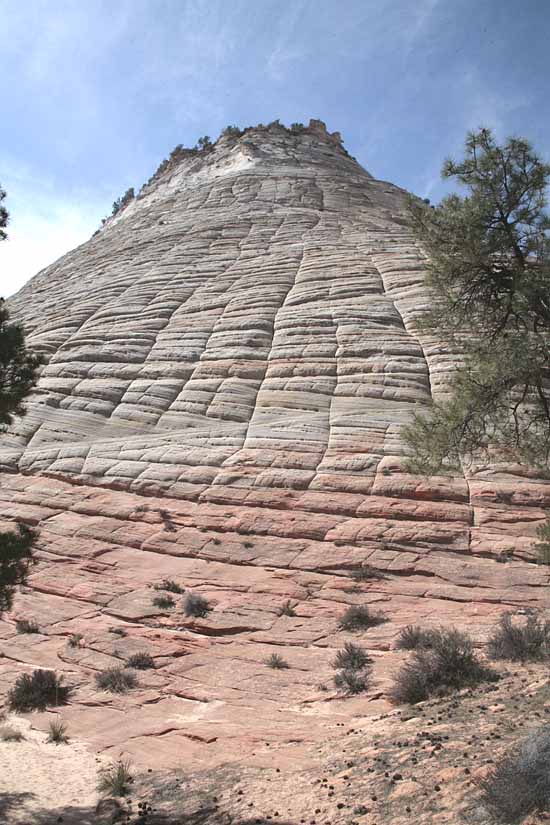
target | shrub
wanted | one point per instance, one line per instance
(115, 781)
(529, 641)
(9, 734)
(25, 626)
(519, 784)
(116, 680)
(37, 690)
(118, 631)
(352, 657)
(449, 664)
(75, 639)
(141, 661)
(359, 617)
(164, 602)
(196, 605)
(413, 637)
(232, 131)
(170, 586)
(542, 547)
(57, 732)
(352, 681)
(287, 609)
(276, 662)
(296, 128)
(365, 573)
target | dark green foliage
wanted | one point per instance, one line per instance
(519, 784)
(116, 781)
(232, 131)
(352, 681)
(528, 641)
(542, 547)
(276, 662)
(141, 661)
(297, 128)
(18, 368)
(359, 617)
(489, 271)
(15, 560)
(366, 573)
(352, 657)
(4, 216)
(287, 609)
(123, 201)
(449, 664)
(413, 637)
(196, 605)
(57, 732)
(204, 144)
(164, 602)
(26, 626)
(170, 586)
(75, 639)
(116, 680)
(37, 691)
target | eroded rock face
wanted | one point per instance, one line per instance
(230, 362)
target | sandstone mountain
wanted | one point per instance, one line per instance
(230, 362)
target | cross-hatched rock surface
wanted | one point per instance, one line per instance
(230, 362)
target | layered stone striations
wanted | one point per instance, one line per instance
(230, 363)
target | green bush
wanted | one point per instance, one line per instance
(413, 637)
(57, 732)
(37, 691)
(366, 573)
(170, 586)
(287, 609)
(141, 661)
(352, 681)
(164, 602)
(352, 657)
(276, 662)
(25, 626)
(529, 641)
(449, 664)
(196, 605)
(359, 617)
(519, 783)
(116, 781)
(116, 680)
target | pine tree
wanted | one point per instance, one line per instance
(489, 272)
(18, 374)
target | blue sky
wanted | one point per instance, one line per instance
(96, 93)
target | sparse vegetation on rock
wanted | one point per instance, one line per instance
(352, 657)
(26, 626)
(449, 664)
(359, 617)
(75, 639)
(196, 605)
(37, 691)
(141, 661)
(413, 637)
(521, 641)
(276, 662)
(116, 680)
(170, 586)
(366, 573)
(164, 602)
(57, 732)
(10, 734)
(542, 546)
(116, 780)
(519, 784)
(352, 681)
(287, 609)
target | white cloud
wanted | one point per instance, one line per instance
(44, 224)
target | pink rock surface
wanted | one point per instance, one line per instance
(230, 363)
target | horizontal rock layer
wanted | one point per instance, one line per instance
(230, 363)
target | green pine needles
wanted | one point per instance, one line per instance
(489, 272)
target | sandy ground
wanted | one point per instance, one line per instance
(41, 781)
